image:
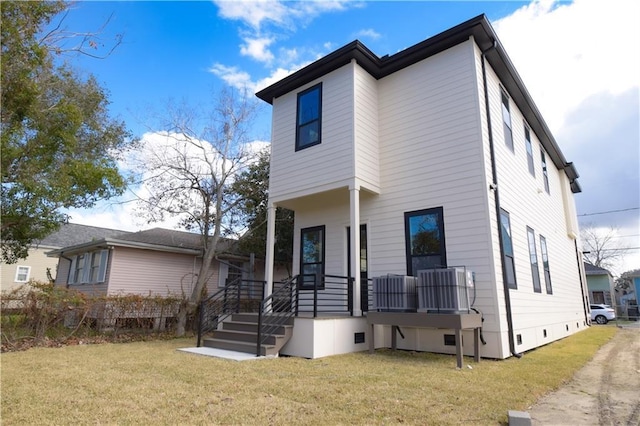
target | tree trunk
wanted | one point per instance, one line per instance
(185, 312)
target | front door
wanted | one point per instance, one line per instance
(364, 276)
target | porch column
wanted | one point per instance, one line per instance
(271, 239)
(354, 212)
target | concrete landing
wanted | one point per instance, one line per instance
(221, 353)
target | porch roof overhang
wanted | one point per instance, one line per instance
(379, 67)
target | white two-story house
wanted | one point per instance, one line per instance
(439, 142)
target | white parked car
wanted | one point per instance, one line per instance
(602, 314)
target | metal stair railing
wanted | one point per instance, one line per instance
(278, 309)
(237, 296)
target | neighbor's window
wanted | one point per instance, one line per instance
(545, 176)
(89, 267)
(22, 274)
(545, 264)
(527, 141)
(533, 258)
(424, 239)
(506, 118)
(308, 122)
(507, 249)
(312, 257)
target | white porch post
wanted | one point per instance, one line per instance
(271, 239)
(354, 212)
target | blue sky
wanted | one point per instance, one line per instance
(579, 60)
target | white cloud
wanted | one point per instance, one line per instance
(580, 62)
(258, 49)
(568, 52)
(233, 76)
(253, 13)
(284, 14)
(367, 33)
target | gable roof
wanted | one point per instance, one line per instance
(71, 234)
(379, 67)
(595, 270)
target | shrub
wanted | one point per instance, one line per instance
(45, 314)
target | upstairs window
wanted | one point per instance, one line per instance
(506, 119)
(533, 258)
(308, 121)
(545, 176)
(507, 250)
(312, 257)
(545, 264)
(527, 141)
(424, 238)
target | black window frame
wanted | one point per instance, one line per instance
(533, 260)
(506, 120)
(306, 282)
(318, 119)
(545, 173)
(529, 149)
(508, 257)
(442, 254)
(544, 252)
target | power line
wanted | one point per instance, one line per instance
(609, 211)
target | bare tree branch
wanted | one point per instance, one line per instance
(188, 174)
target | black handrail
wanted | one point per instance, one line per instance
(276, 310)
(236, 296)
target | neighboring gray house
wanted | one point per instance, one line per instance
(435, 156)
(38, 266)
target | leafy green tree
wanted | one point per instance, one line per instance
(253, 186)
(59, 145)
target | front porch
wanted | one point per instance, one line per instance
(295, 320)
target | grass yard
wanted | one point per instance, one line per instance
(153, 383)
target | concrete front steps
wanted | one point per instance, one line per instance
(239, 333)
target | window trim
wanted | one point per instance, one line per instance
(301, 282)
(81, 269)
(545, 173)
(529, 149)
(545, 264)
(506, 124)
(318, 119)
(439, 211)
(505, 214)
(28, 273)
(533, 260)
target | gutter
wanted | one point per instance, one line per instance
(494, 187)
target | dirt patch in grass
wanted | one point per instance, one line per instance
(605, 391)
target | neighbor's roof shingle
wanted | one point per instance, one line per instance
(71, 234)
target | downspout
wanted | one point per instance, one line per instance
(587, 317)
(494, 187)
(68, 272)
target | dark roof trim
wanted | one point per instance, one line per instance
(484, 36)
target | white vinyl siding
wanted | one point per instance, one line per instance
(529, 204)
(367, 153)
(327, 165)
(22, 274)
(156, 273)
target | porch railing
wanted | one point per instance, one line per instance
(276, 310)
(237, 296)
